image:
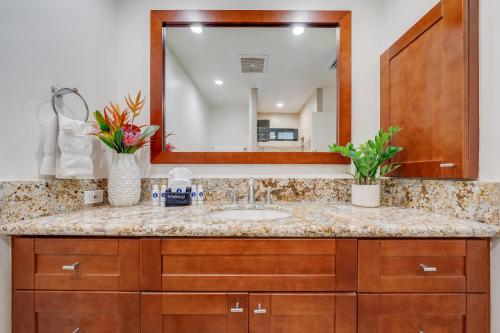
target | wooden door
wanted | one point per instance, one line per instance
(414, 313)
(429, 88)
(194, 313)
(76, 311)
(302, 313)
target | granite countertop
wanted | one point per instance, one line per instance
(306, 220)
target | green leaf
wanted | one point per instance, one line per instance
(100, 120)
(118, 140)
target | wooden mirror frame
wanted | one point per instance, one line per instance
(249, 18)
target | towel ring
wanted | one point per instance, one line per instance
(60, 92)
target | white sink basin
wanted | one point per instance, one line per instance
(250, 214)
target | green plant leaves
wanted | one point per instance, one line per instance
(369, 156)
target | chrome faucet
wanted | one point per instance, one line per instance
(251, 191)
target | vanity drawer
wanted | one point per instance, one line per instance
(248, 265)
(413, 313)
(79, 264)
(423, 265)
(63, 311)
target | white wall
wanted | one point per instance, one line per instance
(228, 126)
(43, 43)
(305, 119)
(186, 109)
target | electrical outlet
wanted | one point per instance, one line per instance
(93, 197)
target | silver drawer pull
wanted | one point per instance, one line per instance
(260, 310)
(237, 308)
(76, 330)
(72, 267)
(421, 331)
(428, 268)
(447, 165)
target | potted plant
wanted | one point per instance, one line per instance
(115, 127)
(368, 159)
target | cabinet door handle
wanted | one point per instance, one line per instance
(260, 310)
(76, 330)
(72, 267)
(237, 308)
(447, 165)
(428, 269)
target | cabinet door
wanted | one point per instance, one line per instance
(194, 313)
(413, 313)
(299, 313)
(429, 88)
(62, 311)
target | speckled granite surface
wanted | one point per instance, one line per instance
(306, 220)
(21, 200)
(477, 201)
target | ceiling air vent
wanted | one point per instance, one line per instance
(253, 64)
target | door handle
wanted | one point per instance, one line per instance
(237, 308)
(72, 267)
(76, 330)
(260, 310)
(428, 269)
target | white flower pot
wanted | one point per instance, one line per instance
(124, 181)
(365, 195)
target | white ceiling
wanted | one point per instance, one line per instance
(296, 64)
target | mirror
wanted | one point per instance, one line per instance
(250, 89)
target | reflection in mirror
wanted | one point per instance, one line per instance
(251, 89)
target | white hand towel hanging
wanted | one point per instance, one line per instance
(75, 145)
(48, 167)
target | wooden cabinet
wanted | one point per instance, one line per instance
(250, 285)
(299, 313)
(416, 313)
(76, 311)
(429, 88)
(423, 266)
(248, 264)
(254, 313)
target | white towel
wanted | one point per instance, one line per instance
(48, 167)
(75, 145)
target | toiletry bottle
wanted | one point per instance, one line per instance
(201, 194)
(194, 194)
(155, 195)
(163, 194)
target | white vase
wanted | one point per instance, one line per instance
(124, 181)
(365, 195)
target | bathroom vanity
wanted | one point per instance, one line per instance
(326, 268)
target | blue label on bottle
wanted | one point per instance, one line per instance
(193, 194)
(201, 194)
(163, 194)
(155, 195)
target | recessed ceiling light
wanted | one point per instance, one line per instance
(298, 30)
(197, 28)
(219, 82)
(280, 105)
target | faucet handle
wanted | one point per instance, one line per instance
(269, 191)
(234, 195)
